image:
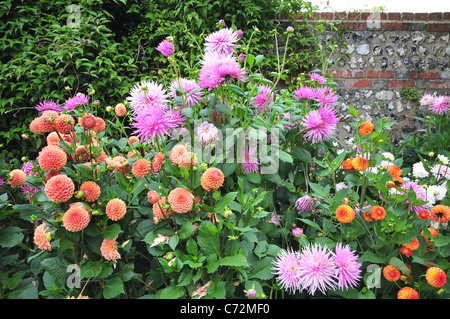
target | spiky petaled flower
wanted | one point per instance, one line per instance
(317, 270)
(320, 125)
(305, 204)
(366, 128)
(48, 105)
(317, 77)
(91, 191)
(391, 273)
(141, 168)
(116, 209)
(407, 293)
(326, 97)
(221, 41)
(76, 218)
(440, 213)
(41, 237)
(180, 200)
(59, 188)
(250, 163)
(420, 193)
(17, 178)
(439, 105)
(345, 214)
(192, 92)
(166, 48)
(263, 98)
(147, 94)
(286, 269)
(156, 122)
(348, 269)
(108, 249)
(212, 179)
(306, 92)
(73, 102)
(426, 99)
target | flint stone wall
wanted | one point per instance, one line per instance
(387, 52)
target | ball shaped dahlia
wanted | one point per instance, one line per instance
(158, 162)
(36, 125)
(187, 159)
(180, 200)
(159, 211)
(116, 209)
(177, 152)
(345, 214)
(76, 218)
(88, 121)
(436, 277)
(378, 212)
(49, 118)
(347, 165)
(17, 178)
(91, 191)
(141, 168)
(394, 170)
(53, 139)
(59, 188)
(212, 179)
(391, 273)
(366, 128)
(360, 164)
(64, 123)
(132, 140)
(152, 196)
(120, 110)
(414, 245)
(440, 213)
(52, 158)
(407, 293)
(100, 124)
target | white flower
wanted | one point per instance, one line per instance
(340, 186)
(443, 159)
(207, 133)
(388, 156)
(441, 171)
(385, 164)
(436, 193)
(419, 170)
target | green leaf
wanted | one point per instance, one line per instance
(262, 269)
(172, 292)
(85, 171)
(10, 237)
(121, 180)
(225, 201)
(208, 238)
(285, 157)
(400, 265)
(91, 269)
(302, 155)
(440, 240)
(112, 231)
(112, 288)
(187, 229)
(56, 266)
(236, 90)
(238, 260)
(352, 111)
(66, 147)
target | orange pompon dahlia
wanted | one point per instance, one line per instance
(101, 158)
(120, 110)
(108, 249)
(180, 200)
(212, 179)
(368, 217)
(52, 158)
(440, 213)
(17, 178)
(424, 214)
(157, 162)
(88, 121)
(76, 218)
(152, 196)
(64, 123)
(159, 211)
(100, 124)
(49, 117)
(345, 214)
(378, 212)
(176, 153)
(414, 245)
(119, 162)
(36, 126)
(132, 140)
(186, 159)
(347, 165)
(398, 182)
(59, 188)
(407, 293)
(436, 277)
(395, 171)
(91, 191)
(50, 175)
(53, 139)
(141, 168)
(406, 251)
(366, 128)
(391, 273)
(360, 164)
(116, 209)
(42, 237)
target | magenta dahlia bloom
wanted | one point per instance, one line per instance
(250, 163)
(326, 97)
(275, 219)
(305, 93)
(320, 125)
(263, 98)
(193, 93)
(348, 269)
(420, 193)
(156, 122)
(221, 41)
(318, 78)
(77, 100)
(426, 99)
(48, 106)
(287, 270)
(147, 94)
(316, 269)
(166, 48)
(305, 204)
(439, 105)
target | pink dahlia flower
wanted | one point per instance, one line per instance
(320, 125)
(166, 48)
(109, 249)
(73, 102)
(147, 94)
(426, 99)
(192, 91)
(287, 270)
(305, 93)
(326, 97)
(305, 204)
(207, 133)
(250, 163)
(348, 269)
(263, 98)
(221, 41)
(48, 106)
(439, 105)
(318, 78)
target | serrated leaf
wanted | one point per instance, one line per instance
(172, 292)
(56, 266)
(112, 231)
(112, 288)
(10, 236)
(91, 269)
(238, 260)
(262, 269)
